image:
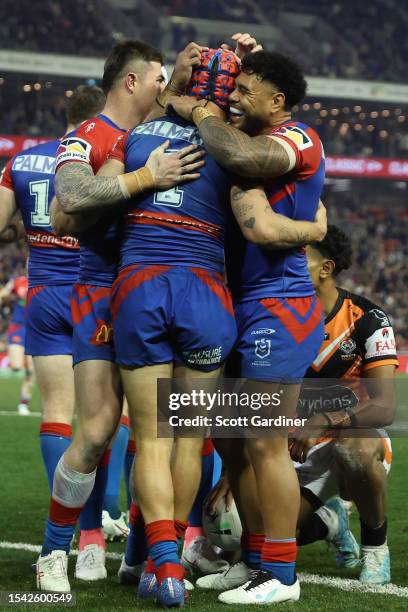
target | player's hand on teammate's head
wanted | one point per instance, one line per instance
(220, 491)
(187, 59)
(169, 170)
(245, 43)
(183, 106)
(321, 222)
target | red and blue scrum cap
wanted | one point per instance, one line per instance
(214, 79)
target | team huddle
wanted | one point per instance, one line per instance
(176, 232)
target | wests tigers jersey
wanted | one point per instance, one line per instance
(358, 336)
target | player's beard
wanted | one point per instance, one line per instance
(252, 125)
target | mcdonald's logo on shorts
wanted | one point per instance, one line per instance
(103, 334)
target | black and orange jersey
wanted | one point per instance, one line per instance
(358, 336)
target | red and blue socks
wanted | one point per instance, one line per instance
(278, 557)
(54, 441)
(163, 550)
(136, 544)
(251, 548)
(116, 463)
(91, 515)
(70, 492)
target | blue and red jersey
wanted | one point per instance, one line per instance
(183, 226)
(30, 174)
(257, 273)
(99, 245)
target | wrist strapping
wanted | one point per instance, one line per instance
(340, 418)
(200, 113)
(133, 183)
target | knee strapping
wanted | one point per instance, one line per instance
(71, 488)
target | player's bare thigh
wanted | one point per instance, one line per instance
(186, 380)
(56, 384)
(354, 455)
(140, 387)
(350, 447)
(15, 354)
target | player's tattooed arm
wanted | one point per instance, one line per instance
(252, 157)
(261, 225)
(80, 191)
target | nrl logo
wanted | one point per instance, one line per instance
(262, 348)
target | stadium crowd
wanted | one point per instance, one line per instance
(360, 54)
(37, 109)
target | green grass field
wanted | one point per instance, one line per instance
(24, 503)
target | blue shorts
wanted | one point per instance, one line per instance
(93, 335)
(278, 338)
(172, 313)
(16, 333)
(48, 320)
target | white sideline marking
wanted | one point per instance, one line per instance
(350, 584)
(344, 584)
(15, 413)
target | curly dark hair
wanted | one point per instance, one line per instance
(279, 70)
(336, 246)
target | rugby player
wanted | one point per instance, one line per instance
(26, 185)
(335, 457)
(354, 462)
(133, 78)
(273, 293)
(193, 255)
(16, 333)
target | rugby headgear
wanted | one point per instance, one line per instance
(214, 79)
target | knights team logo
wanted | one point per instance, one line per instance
(73, 149)
(263, 348)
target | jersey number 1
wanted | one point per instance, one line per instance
(40, 189)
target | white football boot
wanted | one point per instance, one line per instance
(234, 576)
(52, 572)
(23, 410)
(114, 529)
(263, 589)
(90, 563)
(376, 565)
(199, 558)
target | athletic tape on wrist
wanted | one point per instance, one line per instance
(136, 182)
(201, 113)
